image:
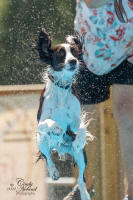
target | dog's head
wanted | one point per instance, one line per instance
(63, 59)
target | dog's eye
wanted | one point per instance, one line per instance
(61, 53)
(75, 51)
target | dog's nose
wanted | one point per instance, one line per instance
(73, 62)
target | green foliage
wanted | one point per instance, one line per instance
(20, 23)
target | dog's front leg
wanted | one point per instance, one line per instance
(82, 136)
(80, 159)
(46, 151)
(45, 130)
(80, 140)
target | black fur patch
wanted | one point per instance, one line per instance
(44, 47)
(70, 133)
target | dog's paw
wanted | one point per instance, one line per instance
(53, 172)
(50, 127)
(56, 129)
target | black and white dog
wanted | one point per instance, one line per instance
(60, 125)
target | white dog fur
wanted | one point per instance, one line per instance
(60, 124)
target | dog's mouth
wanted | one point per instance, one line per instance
(68, 66)
(72, 65)
(63, 74)
(72, 68)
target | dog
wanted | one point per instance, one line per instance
(60, 124)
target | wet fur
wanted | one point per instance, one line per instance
(60, 125)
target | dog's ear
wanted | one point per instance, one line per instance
(44, 47)
(75, 40)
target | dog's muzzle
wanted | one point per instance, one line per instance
(73, 64)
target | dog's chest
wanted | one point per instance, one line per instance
(61, 106)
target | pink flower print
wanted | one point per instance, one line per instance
(120, 32)
(129, 44)
(110, 18)
(88, 26)
(83, 31)
(86, 53)
(130, 20)
(112, 65)
(130, 4)
(97, 39)
(104, 53)
(85, 63)
(94, 12)
(81, 16)
(110, 4)
(94, 39)
(92, 67)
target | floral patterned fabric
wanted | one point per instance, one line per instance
(107, 41)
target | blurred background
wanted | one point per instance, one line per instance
(20, 87)
(20, 70)
(20, 22)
